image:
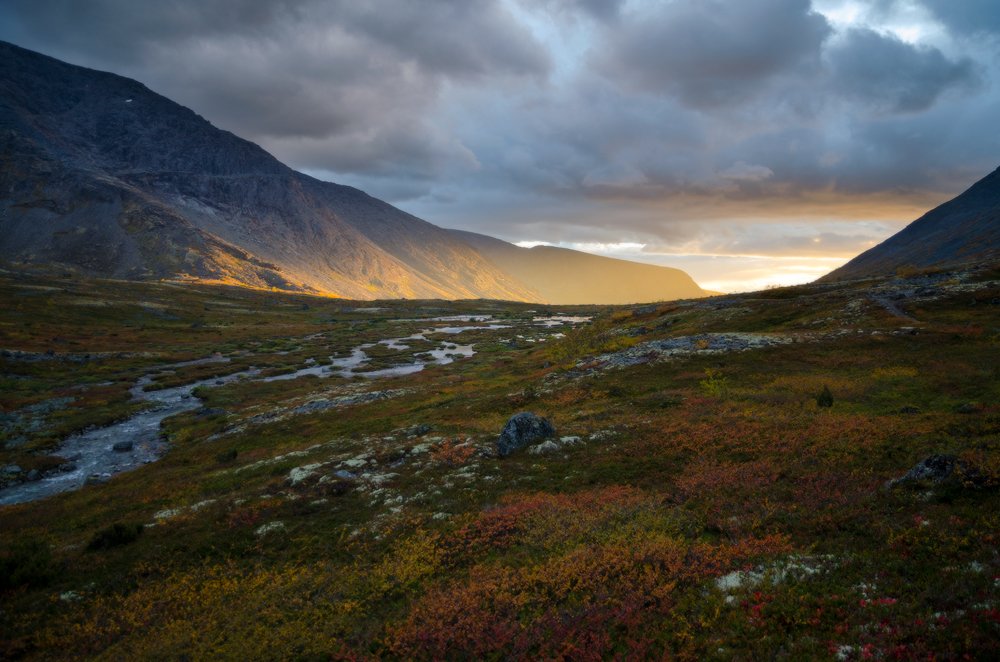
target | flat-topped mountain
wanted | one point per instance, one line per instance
(102, 175)
(566, 276)
(962, 230)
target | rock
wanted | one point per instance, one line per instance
(967, 408)
(34, 475)
(122, 446)
(935, 469)
(12, 469)
(418, 430)
(343, 474)
(909, 409)
(544, 447)
(210, 411)
(67, 467)
(522, 430)
(270, 527)
(299, 474)
(570, 441)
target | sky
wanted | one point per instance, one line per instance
(751, 143)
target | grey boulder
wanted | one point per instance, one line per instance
(521, 430)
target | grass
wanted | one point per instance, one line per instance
(429, 546)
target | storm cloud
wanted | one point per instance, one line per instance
(344, 86)
(709, 52)
(747, 126)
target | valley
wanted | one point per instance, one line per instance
(322, 475)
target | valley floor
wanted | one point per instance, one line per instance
(699, 501)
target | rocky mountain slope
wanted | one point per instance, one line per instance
(565, 276)
(101, 174)
(963, 230)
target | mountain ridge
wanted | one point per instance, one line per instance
(104, 175)
(965, 229)
(611, 280)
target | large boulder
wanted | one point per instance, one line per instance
(940, 469)
(934, 469)
(522, 430)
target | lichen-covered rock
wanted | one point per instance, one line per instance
(547, 446)
(932, 469)
(521, 430)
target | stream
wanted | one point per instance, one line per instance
(92, 452)
(92, 455)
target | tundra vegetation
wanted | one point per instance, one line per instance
(718, 486)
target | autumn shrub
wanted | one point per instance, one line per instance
(116, 535)
(226, 456)
(26, 563)
(715, 384)
(452, 452)
(586, 601)
(825, 398)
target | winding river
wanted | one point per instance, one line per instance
(92, 456)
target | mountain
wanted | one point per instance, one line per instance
(565, 276)
(103, 175)
(964, 229)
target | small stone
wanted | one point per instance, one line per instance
(270, 527)
(418, 430)
(12, 469)
(909, 409)
(967, 408)
(123, 446)
(343, 474)
(544, 447)
(34, 475)
(67, 467)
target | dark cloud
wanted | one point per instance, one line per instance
(338, 85)
(889, 75)
(967, 16)
(600, 9)
(584, 120)
(713, 52)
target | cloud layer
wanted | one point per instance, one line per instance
(688, 123)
